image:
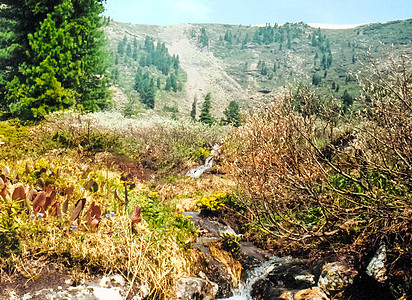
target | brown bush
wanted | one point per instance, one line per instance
(315, 178)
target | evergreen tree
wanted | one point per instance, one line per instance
(134, 55)
(60, 61)
(129, 50)
(145, 86)
(193, 111)
(347, 99)
(173, 82)
(168, 85)
(121, 46)
(329, 60)
(232, 114)
(203, 38)
(205, 116)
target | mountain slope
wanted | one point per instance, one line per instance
(245, 63)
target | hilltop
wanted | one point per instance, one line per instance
(245, 63)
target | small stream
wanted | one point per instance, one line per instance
(253, 275)
(214, 229)
(195, 173)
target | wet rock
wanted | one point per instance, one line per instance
(195, 289)
(314, 293)
(296, 274)
(264, 289)
(377, 266)
(285, 278)
(336, 277)
(217, 272)
(252, 256)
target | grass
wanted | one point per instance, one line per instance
(71, 150)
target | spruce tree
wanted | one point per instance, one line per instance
(193, 111)
(60, 59)
(232, 114)
(205, 116)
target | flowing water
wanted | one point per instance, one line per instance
(199, 170)
(253, 275)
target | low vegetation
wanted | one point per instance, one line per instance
(322, 183)
(106, 162)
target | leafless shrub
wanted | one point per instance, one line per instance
(311, 178)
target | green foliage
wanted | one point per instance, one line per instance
(9, 239)
(144, 84)
(231, 243)
(61, 59)
(203, 38)
(161, 216)
(13, 131)
(232, 114)
(205, 116)
(212, 205)
(93, 142)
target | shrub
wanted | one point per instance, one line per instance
(315, 179)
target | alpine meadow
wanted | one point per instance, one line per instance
(202, 160)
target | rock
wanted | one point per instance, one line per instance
(314, 293)
(195, 289)
(106, 294)
(252, 256)
(287, 296)
(118, 280)
(217, 272)
(295, 274)
(104, 282)
(377, 266)
(287, 276)
(336, 277)
(144, 290)
(264, 289)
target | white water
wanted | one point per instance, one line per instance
(208, 163)
(254, 275)
(199, 170)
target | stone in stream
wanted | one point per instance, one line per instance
(193, 288)
(336, 277)
(377, 266)
(287, 277)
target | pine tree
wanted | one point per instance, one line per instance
(232, 114)
(193, 111)
(134, 55)
(205, 116)
(129, 50)
(60, 61)
(168, 85)
(203, 38)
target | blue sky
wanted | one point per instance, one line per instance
(165, 12)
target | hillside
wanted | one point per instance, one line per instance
(244, 63)
(312, 193)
